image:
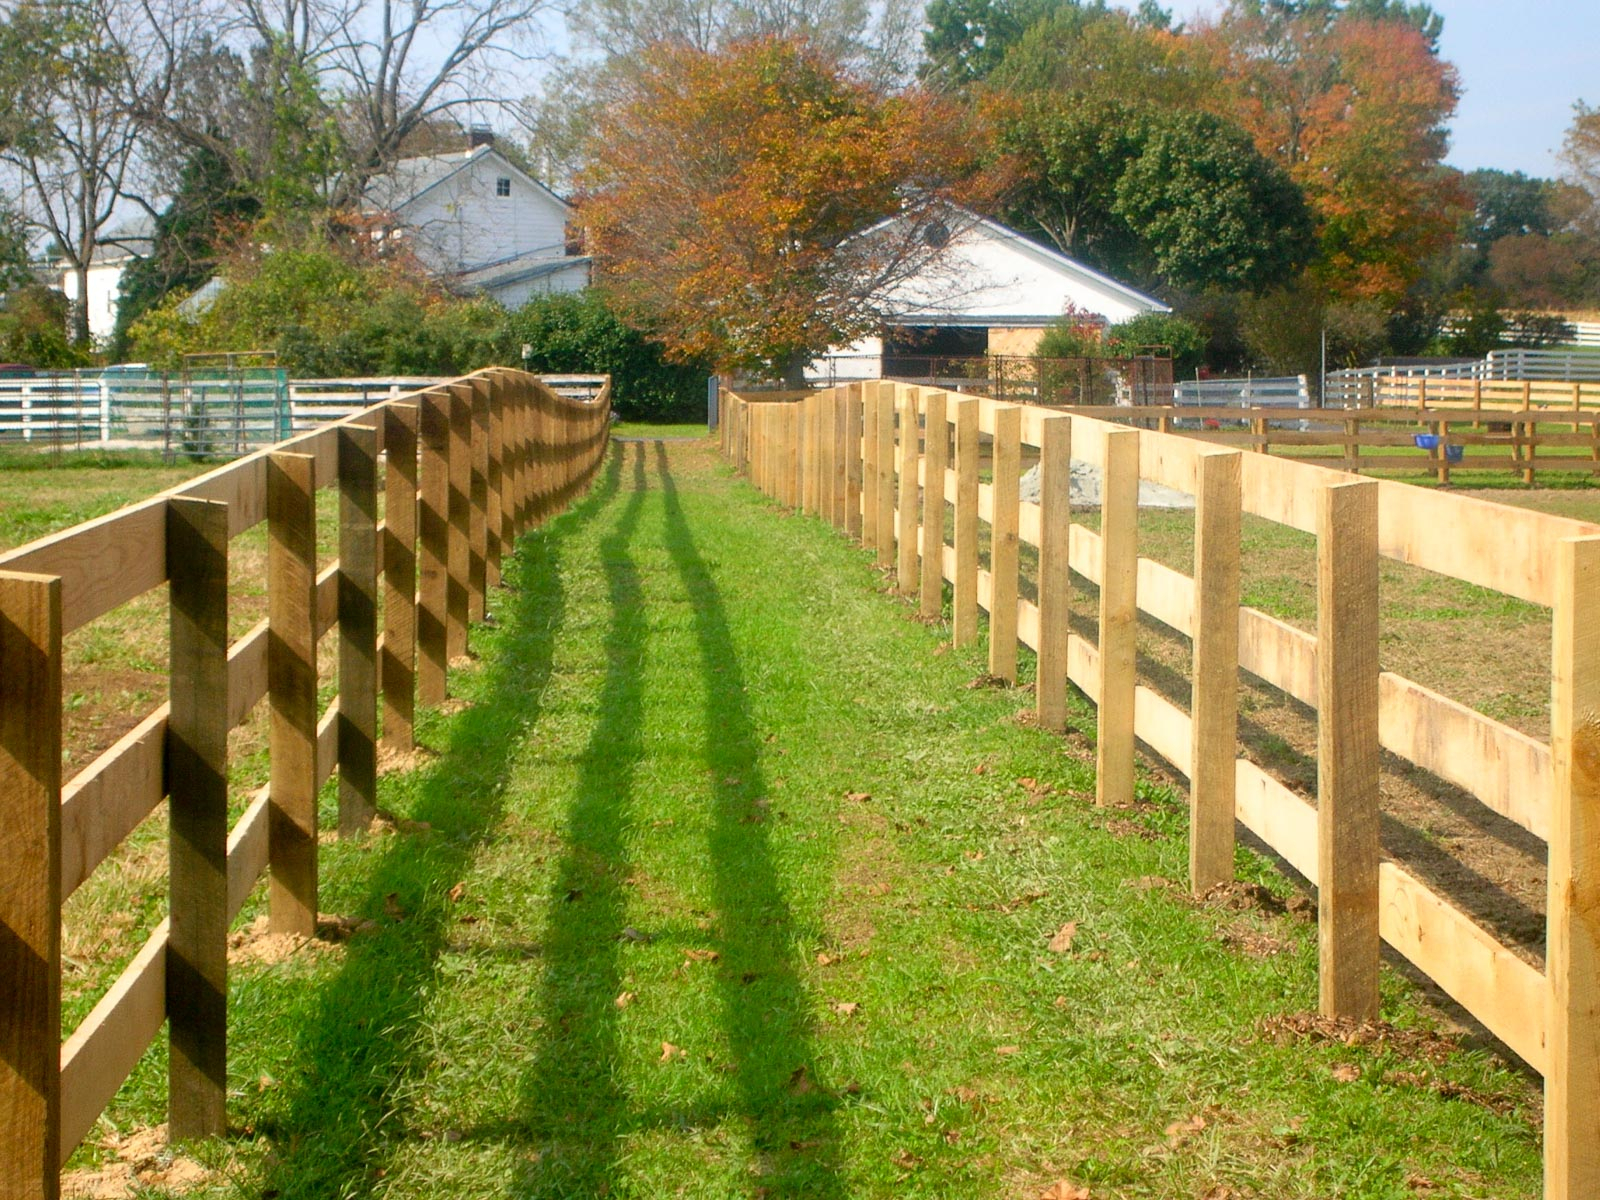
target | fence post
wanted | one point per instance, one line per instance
(398, 667)
(840, 456)
(1119, 616)
(1055, 578)
(965, 616)
(1347, 748)
(935, 459)
(855, 456)
(906, 532)
(458, 552)
(497, 386)
(1003, 540)
(30, 902)
(292, 689)
(1572, 943)
(358, 628)
(1214, 704)
(197, 787)
(477, 396)
(870, 452)
(433, 534)
(885, 490)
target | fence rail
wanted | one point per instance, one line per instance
(876, 460)
(465, 468)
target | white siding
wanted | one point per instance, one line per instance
(462, 223)
(515, 294)
(105, 288)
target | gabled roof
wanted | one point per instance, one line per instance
(519, 268)
(412, 178)
(992, 275)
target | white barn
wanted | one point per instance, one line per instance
(991, 291)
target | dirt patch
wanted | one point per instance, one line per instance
(257, 945)
(140, 1161)
(1424, 1044)
(391, 762)
(1124, 828)
(1252, 942)
(1238, 896)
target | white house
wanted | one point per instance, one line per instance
(480, 222)
(118, 247)
(990, 291)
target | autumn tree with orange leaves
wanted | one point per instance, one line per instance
(1356, 108)
(729, 192)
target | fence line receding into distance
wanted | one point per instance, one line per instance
(463, 469)
(876, 460)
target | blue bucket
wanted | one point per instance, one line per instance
(1454, 453)
(1426, 441)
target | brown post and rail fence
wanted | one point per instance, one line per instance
(467, 468)
(1550, 1017)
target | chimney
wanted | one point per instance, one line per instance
(479, 135)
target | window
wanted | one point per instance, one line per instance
(502, 186)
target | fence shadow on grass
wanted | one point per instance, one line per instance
(787, 1106)
(335, 1121)
(572, 1102)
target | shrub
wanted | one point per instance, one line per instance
(580, 332)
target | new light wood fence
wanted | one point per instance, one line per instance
(465, 468)
(876, 460)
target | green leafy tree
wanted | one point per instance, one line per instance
(1182, 199)
(189, 235)
(1208, 210)
(967, 39)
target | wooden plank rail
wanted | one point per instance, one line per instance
(1550, 1018)
(508, 450)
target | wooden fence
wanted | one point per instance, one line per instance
(465, 468)
(858, 457)
(1523, 441)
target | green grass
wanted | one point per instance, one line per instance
(711, 788)
(650, 429)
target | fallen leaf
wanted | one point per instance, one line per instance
(701, 955)
(905, 1160)
(858, 797)
(391, 906)
(457, 892)
(1179, 1131)
(952, 1136)
(800, 1080)
(1420, 1183)
(1346, 1072)
(1006, 1050)
(670, 1052)
(1062, 942)
(964, 1094)
(1150, 883)
(846, 1008)
(625, 999)
(824, 959)
(981, 769)
(1061, 1001)
(1062, 1190)
(1027, 783)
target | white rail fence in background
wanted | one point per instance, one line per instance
(222, 417)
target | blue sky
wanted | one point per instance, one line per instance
(1522, 64)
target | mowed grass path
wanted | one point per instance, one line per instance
(724, 883)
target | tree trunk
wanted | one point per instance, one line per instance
(794, 368)
(80, 308)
